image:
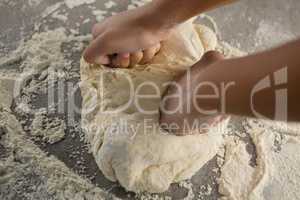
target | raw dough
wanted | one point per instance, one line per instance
(124, 149)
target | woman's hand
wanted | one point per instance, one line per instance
(127, 38)
(262, 85)
(180, 95)
(134, 36)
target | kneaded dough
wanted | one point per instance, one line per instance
(125, 149)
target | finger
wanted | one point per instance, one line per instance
(157, 48)
(212, 56)
(95, 49)
(148, 54)
(102, 60)
(212, 121)
(135, 58)
(209, 58)
(221, 118)
(122, 60)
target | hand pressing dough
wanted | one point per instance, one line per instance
(124, 147)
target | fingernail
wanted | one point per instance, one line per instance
(102, 60)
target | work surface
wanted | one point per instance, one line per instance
(249, 25)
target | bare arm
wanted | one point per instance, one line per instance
(260, 85)
(281, 68)
(172, 12)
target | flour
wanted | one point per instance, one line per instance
(57, 15)
(9, 3)
(228, 51)
(236, 171)
(275, 175)
(87, 20)
(152, 197)
(268, 35)
(38, 54)
(50, 130)
(34, 3)
(136, 3)
(31, 174)
(26, 172)
(139, 3)
(189, 186)
(6, 86)
(75, 3)
(110, 4)
(205, 192)
(41, 57)
(99, 14)
(50, 9)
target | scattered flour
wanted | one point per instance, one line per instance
(34, 3)
(148, 196)
(75, 3)
(270, 34)
(6, 86)
(236, 172)
(28, 173)
(189, 186)
(136, 3)
(50, 9)
(110, 4)
(87, 20)
(276, 171)
(99, 14)
(50, 130)
(62, 17)
(205, 192)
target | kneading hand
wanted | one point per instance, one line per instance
(178, 121)
(126, 39)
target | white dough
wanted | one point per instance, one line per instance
(124, 149)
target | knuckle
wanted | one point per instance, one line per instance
(87, 58)
(212, 56)
(139, 55)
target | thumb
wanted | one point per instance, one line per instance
(95, 53)
(209, 58)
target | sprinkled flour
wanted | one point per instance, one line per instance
(75, 3)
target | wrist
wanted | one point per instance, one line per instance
(156, 18)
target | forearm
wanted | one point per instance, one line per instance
(168, 13)
(245, 98)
